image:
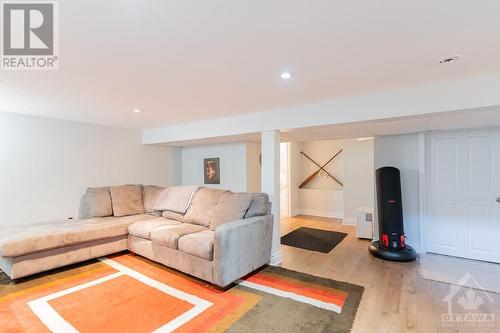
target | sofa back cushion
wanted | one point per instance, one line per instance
(99, 201)
(259, 205)
(202, 208)
(176, 198)
(149, 195)
(231, 207)
(127, 200)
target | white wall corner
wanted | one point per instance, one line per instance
(320, 213)
(349, 221)
(415, 246)
(276, 259)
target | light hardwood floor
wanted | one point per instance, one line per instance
(396, 298)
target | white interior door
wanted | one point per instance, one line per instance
(463, 215)
(284, 181)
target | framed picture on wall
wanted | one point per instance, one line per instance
(211, 170)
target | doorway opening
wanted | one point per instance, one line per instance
(326, 188)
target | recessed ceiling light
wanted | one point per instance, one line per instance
(137, 111)
(286, 75)
(450, 60)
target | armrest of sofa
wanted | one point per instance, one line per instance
(241, 247)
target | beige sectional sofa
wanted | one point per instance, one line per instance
(216, 235)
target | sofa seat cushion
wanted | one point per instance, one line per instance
(20, 240)
(143, 228)
(169, 235)
(199, 244)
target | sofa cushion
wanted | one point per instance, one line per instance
(149, 195)
(231, 207)
(169, 235)
(259, 205)
(203, 206)
(173, 215)
(143, 228)
(176, 198)
(199, 244)
(20, 240)
(99, 202)
(127, 200)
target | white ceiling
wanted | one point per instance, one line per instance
(187, 60)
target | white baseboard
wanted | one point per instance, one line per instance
(321, 213)
(276, 259)
(348, 221)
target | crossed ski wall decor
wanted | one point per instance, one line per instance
(321, 168)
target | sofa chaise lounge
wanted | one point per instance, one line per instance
(215, 235)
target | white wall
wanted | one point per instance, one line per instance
(323, 196)
(295, 177)
(239, 166)
(326, 203)
(401, 151)
(321, 151)
(46, 165)
(358, 177)
(254, 169)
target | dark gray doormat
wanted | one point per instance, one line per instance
(313, 239)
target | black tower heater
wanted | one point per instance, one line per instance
(392, 239)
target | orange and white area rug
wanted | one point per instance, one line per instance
(125, 293)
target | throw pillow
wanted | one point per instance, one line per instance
(99, 201)
(149, 195)
(127, 200)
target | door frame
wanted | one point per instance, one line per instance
(423, 150)
(289, 203)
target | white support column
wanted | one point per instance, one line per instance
(271, 185)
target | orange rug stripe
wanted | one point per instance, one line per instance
(227, 321)
(310, 284)
(298, 288)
